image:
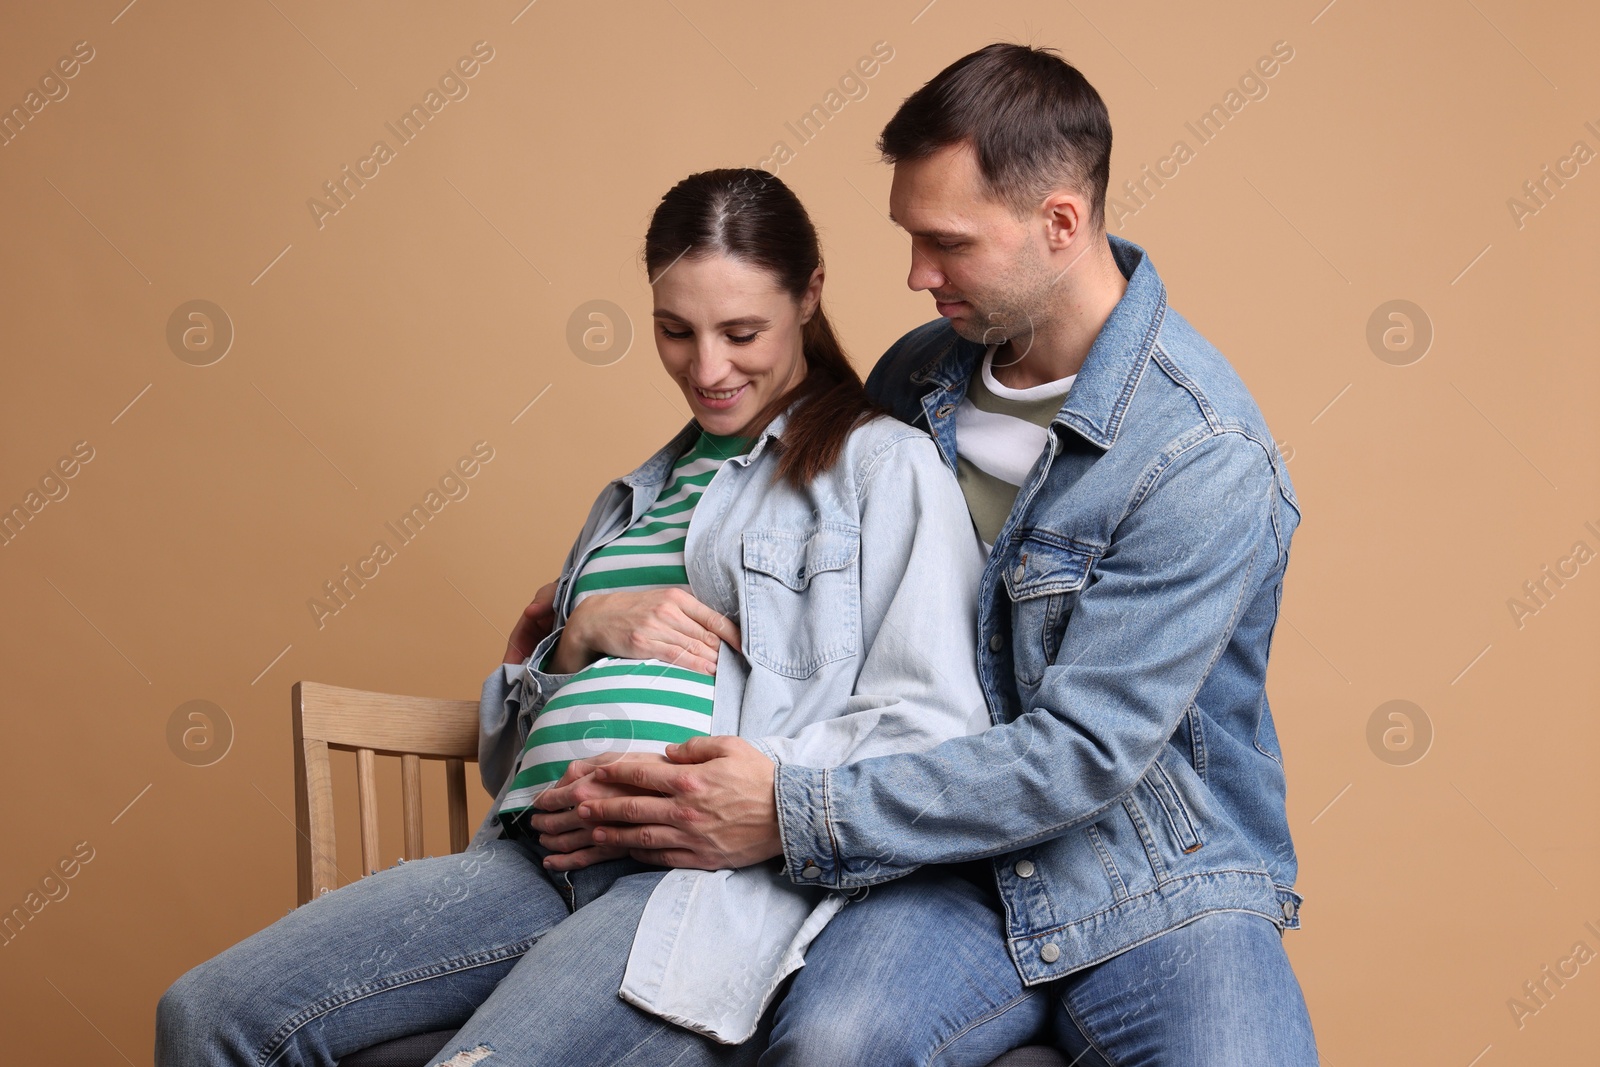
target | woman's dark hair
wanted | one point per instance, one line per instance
(751, 216)
(1034, 120)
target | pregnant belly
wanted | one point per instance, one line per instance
(611, 706)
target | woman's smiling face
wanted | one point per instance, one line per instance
(730, 336)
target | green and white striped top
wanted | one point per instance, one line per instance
(629, 705)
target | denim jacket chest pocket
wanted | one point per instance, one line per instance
(1043, 578)
(801, 596)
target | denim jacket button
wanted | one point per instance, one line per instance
(1018, 574)
(811, 870)
(1288, 909)
(996, 643)
(1024, 868)
(1050, 953)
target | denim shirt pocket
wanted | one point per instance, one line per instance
(1043, 577)
(801, 596)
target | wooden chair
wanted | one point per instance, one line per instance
(328, 717)
(371, 725)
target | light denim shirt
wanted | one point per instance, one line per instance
(856, 599)
(1133, 780)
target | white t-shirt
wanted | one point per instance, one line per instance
(1000, 432)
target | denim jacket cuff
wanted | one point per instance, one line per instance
(809, 857)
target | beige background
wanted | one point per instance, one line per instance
(372, 352)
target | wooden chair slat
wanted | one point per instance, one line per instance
(411, 804)
(455, 783)
(367, 800)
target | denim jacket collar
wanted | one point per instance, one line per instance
(1099, 396)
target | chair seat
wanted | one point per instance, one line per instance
(420, 1049)
(1031, 1056)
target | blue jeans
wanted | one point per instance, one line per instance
(526, 964)
(918, 973)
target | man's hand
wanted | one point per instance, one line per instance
(716, 807)
(664, 624)
(537, 620)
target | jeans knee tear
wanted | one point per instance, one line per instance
(467, 1057)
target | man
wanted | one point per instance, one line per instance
(1109, 867)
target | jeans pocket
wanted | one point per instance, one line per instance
(802, 593)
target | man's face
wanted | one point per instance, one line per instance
(986, 269)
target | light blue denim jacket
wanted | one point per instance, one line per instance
(1133, 780)
(856, 600)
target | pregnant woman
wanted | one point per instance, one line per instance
(794, 567)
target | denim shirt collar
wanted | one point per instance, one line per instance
(654, 471)
(1099, 396)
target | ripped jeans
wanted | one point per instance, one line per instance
(524, 962)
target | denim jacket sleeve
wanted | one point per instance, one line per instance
(920, 563)
(1146, 630)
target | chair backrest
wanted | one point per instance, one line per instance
(373, 724)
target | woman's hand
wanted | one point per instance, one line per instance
(537, 620)
(664, 624)
(561, 831)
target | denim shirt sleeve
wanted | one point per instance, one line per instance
(514, 692)
(917, 683)
(511, 693)
(1157, 613)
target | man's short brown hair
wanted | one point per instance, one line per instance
(1034, 120)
